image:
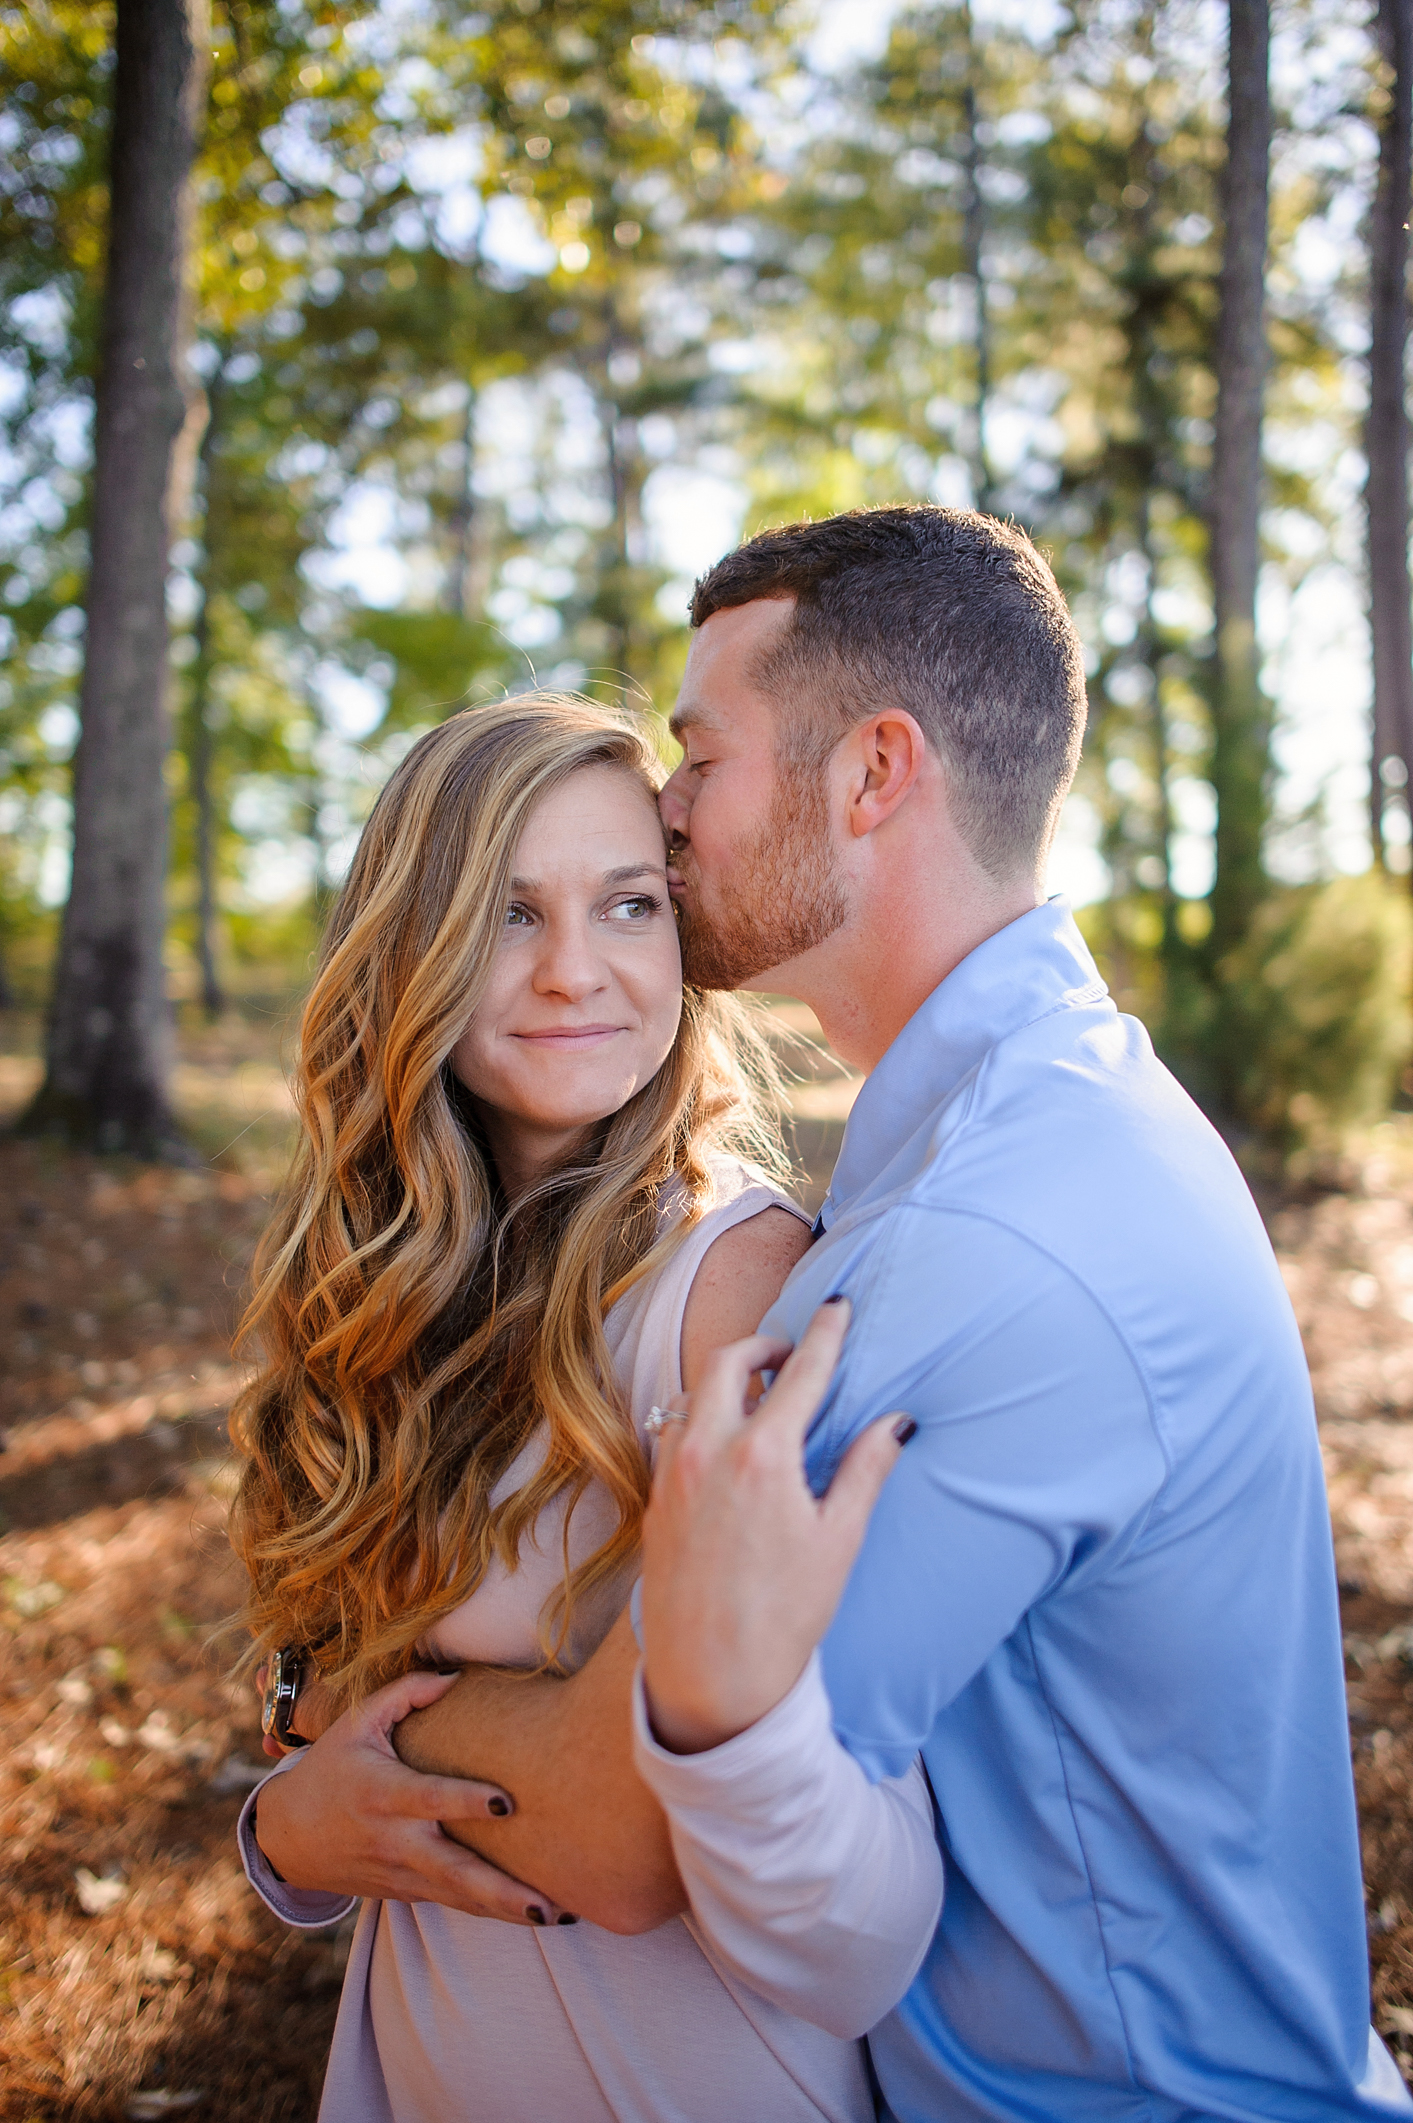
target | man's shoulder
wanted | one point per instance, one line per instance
(1075, 1132)
(1073, 1162)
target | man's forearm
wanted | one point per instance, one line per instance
(585, 1831)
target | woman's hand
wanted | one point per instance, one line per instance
(350, 1819)
(742, 1565)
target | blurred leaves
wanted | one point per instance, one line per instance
(481, 277)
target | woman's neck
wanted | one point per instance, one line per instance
(523, 1152)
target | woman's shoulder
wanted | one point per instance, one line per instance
(742, 1270)
(739, 1191)
(735, 1254)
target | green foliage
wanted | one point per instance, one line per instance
(1319, 1002)
(1319, 992)
(981, 267)
(438, 661)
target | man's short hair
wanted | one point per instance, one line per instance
(947, 614)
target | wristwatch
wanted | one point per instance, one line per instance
(282, 1682)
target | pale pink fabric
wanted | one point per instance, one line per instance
(448, 2016)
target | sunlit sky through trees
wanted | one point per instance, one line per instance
(541, 431)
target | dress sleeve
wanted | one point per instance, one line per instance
(307, 1908)
(817, 1888)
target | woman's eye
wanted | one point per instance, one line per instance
(638, 908)
(517, 917)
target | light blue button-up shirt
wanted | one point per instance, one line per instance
(1098, 1593)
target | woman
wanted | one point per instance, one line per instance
(530, 1198)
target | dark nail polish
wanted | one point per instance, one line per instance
(837, 1299)
(536, 1916)
(499, 1807)
(566, 1919)
(904, 1428)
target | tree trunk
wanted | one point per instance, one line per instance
(1148, 647)
(201, 749)
(973, 237)
(107, 1062)
(463, 593)
(1386, 436)
(1240, 716)
(199, 765)
(619, 442)
(316, 793)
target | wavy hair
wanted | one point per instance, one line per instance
(414, 1329)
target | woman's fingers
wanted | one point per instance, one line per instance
(794, 1400)
(434, 1798)
(389, 1706)
(718, 1403)
(468, 1882)
(858, 1482)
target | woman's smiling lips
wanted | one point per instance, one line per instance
(571, 1035)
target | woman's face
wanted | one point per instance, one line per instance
(586, 990)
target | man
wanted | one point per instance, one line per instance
(1097, 1592)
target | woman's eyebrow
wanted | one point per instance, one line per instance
(630, 870)
(621, 876)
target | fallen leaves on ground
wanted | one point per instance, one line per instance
(139, 1976)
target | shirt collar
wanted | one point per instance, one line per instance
(1036, 964)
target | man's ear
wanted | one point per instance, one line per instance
(889, 753)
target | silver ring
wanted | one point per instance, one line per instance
(659, 1418)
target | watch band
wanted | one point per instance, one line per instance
(282, 1683)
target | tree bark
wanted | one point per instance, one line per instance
(973, 241)
(201, 749)
(1240, 716)
(1386, 434)
(463, 593)
(620, 433)
(107, 1062)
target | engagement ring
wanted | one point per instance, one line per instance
(659, 1418)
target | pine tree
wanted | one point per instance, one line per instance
(106, 1062)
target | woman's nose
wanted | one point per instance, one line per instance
(567, 963)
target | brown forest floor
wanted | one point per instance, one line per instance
(139, 1977)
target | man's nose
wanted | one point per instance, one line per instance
(674, 804)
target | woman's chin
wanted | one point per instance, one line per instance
(575, 1116)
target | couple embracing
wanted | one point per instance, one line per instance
(759, 1672)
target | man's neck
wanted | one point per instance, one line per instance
(874, 974)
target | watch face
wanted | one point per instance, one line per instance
(270, 1706)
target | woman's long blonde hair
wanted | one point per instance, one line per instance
(413, 1330)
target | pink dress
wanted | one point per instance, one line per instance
(445, 2015)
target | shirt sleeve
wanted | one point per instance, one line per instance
(307, 1908)
(819, 1889)
(1036, 1460)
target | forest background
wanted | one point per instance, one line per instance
(504, 325)
(492, 329)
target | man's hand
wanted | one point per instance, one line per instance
(350, 1819)
(742, 1566)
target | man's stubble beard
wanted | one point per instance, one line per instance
(782, 896)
